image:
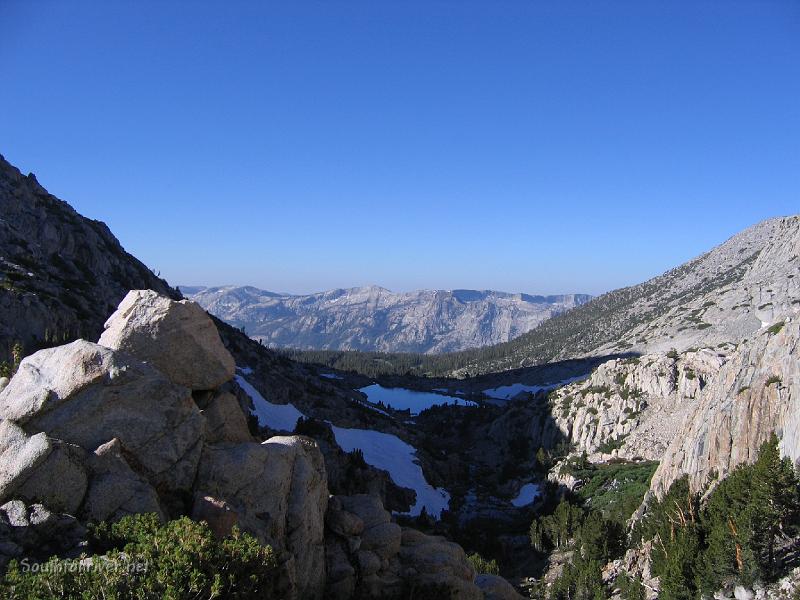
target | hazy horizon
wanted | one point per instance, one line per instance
(396, 291)
(550, 147)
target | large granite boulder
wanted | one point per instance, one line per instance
(86, 394)
(39, 468)
(178, 338)
(279, 493)
(225, 420)
(496, 588)
(434, 561)
(116, 490)
(369, 556)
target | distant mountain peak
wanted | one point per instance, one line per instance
(375, 318)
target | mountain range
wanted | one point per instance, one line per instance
(376, 319)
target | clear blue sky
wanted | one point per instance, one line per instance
(296, 146)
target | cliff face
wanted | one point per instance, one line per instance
(633, 408)
(756, 392)
(699, 413)
(60, 273)
(376, 319)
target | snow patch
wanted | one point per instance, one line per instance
(507, 392)
(282, 417)
(381, 450)
(390, 453)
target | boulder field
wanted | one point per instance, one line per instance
(148, 421)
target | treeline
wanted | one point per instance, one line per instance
(740, 530)
(742, 533)
(570, 334)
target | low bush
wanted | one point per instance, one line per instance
(140, 558)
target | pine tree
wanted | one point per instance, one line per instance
(679, 576)
(774, 509)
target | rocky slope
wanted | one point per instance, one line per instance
(60, 273)
(376, 319)
(699, 412)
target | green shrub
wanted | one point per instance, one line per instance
(776, 328)
(481, 565)
(145, 560)
(608, 446)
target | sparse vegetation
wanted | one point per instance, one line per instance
(138, 557)
(776, 327)
(481, 565)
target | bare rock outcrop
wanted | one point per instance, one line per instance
(496, 588)
(278, 491)
(369, 556)
(756, 393)
(700, 412)
(116, 490)
(39, 468)
(35, 530)
(225, 421)
(86, 394)
(178, 338)
(62, 274)
(634, 407)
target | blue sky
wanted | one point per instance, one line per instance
(525, 146)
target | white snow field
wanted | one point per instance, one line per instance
(507, 392)
(282, 417)
(389, 452)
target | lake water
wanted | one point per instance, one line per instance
(527, 494)
(402, 398)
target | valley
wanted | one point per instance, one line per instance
(549, 465)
